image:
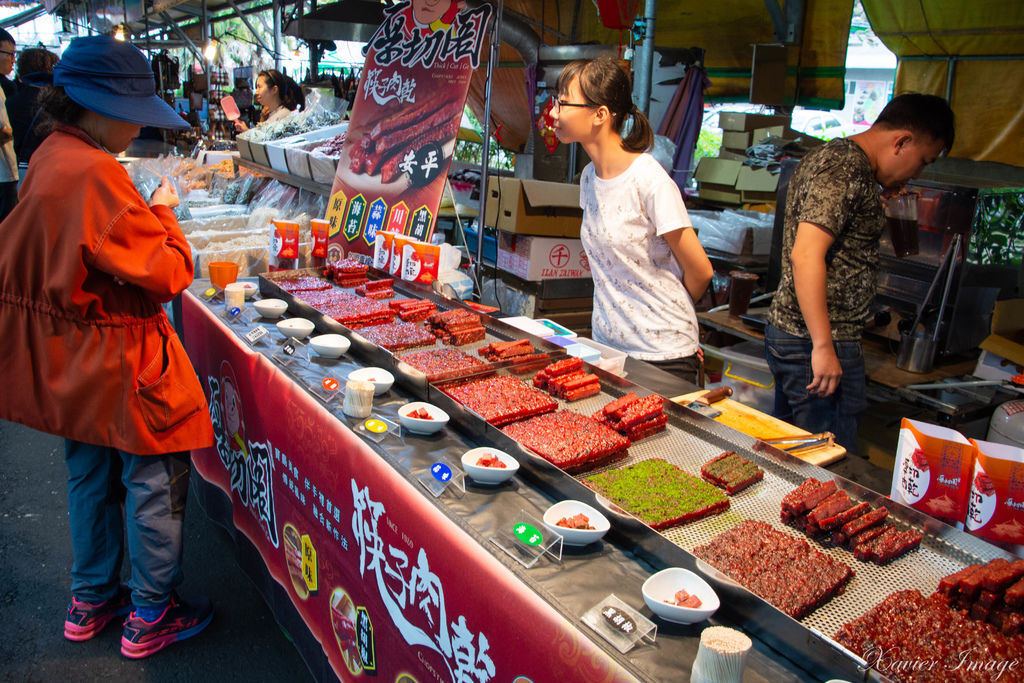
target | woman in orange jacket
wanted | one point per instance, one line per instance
(86, 264)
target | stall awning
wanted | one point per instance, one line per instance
(969, 52)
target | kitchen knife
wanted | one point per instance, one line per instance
(702, 404)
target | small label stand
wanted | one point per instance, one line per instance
(441, 475)
(209, 295)
(291, 351)
(375, 428)
(326, 389)
(235, 316)
(620, 624)
(257, 336)
(525, 538)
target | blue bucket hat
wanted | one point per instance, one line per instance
(113, 78)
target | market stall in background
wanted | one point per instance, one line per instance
(428, 465)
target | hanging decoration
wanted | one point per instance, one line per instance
(617, 14)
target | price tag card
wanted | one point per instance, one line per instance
(525, 539)
(376, 429)
(235, 316)
(620, 624)
(210, 294)
(326, 389)
(441, 475)
(257, 335)
(291, 351)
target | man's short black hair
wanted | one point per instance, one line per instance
(922, 114)
(6, 37)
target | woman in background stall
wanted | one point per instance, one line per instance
(278, 96)
(647, 265)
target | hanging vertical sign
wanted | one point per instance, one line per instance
(405, 119)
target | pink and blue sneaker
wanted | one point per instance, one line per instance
(85, 620)
(178, 620)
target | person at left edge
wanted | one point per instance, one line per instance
(8, 159)
(86, 264)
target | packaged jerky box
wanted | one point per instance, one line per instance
(932, 471)
(995, 508)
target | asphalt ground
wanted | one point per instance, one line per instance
(242, 643)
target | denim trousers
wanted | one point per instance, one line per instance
(113, 495)
(789, 358)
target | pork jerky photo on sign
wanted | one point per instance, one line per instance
(404, 123)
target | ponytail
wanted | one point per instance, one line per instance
(641, 136)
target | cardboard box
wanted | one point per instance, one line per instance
(760, 134)
(733, 120)
(756, 185)
(541, 258)
(1007, 338)
(737, 140)
(533, 207)
(734, 156)
(716, 179)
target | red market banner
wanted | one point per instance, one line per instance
(404, 123)
(385, 582)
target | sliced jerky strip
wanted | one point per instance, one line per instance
(888, 547)
(391, 169)
(854, 527)
(794, 499)
(1014, 596)
(842, 518)
(645, 429)
(865, 535)
(865, 551)
(619, 403)
(404, 119)
(833, 505)
(998, 580)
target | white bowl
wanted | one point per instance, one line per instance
(270, 309)
(380, 378)
(416, 425)
(250, 289)
(300, 328)
(571, 508)
(489, 475)
(330, 345)
(664, 585)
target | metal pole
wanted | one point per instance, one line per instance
(276, 8)
(492, 59)
(645, 59)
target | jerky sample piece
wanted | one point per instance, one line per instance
(501, 399)
(731, 472)
(398, 336)
(566, 366)
(439, 363)
(786, 571)
(572, 442)
(927, 630)
(659, 493)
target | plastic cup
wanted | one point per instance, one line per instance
(222, 273)
(901, 217)
(741, 288)
(234, 295)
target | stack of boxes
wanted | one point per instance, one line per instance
(724, 179)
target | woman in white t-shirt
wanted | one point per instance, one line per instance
(647, 264)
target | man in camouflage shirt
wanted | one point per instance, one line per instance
(834, 220)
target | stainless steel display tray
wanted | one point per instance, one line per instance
(689, 441)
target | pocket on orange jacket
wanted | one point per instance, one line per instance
(165, 402)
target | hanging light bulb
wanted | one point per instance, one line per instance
(119, 33)
(211, 50)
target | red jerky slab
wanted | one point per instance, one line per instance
(573, 442)
(642, 410)
(397, 336)
(501, 399)
(645, 429)
(437, 363)
(302, 283)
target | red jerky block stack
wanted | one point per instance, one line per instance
(573, 442)
(785, 571)
(816, 508)
(457, 327)
(398, 336)
(659, 493)
(347, 272)
(438, 363)
(302, 283)
(634, 418)
(377, 289)
(731, 472)
(413, 310)
(992, 592)
(502, 399)
(907, 628)
(508, 350)
(566, 379)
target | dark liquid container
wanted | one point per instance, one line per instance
(903, 233)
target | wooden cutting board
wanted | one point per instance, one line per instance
(760, 425)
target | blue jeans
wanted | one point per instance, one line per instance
(153, 490)
(789, 358)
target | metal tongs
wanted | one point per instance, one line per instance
(802, 443)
